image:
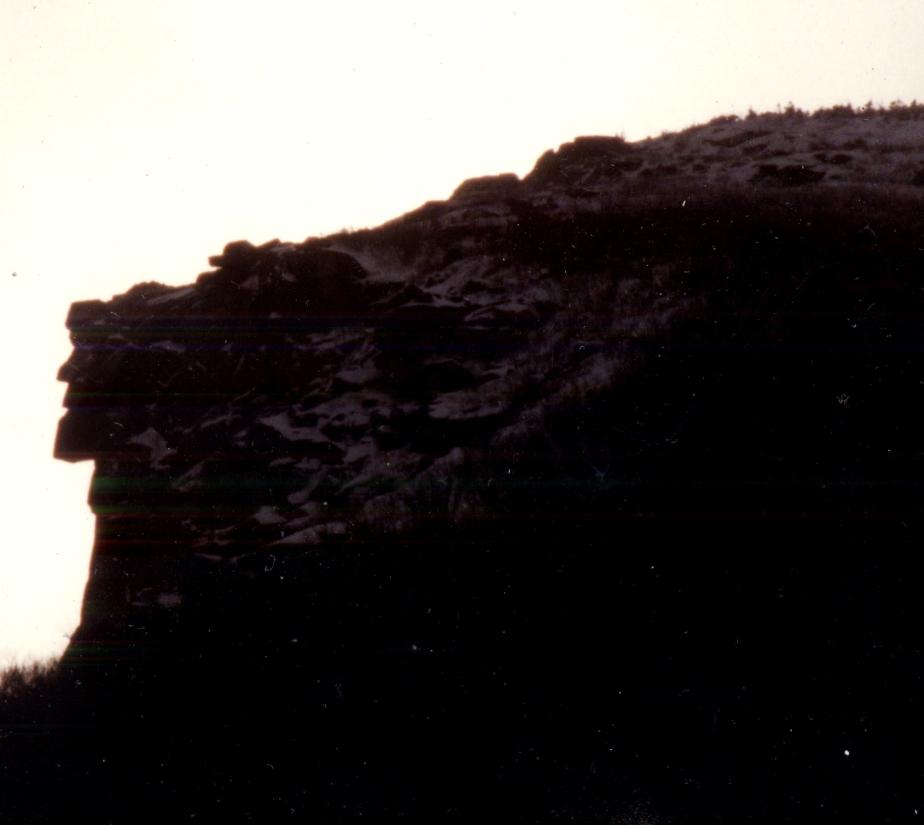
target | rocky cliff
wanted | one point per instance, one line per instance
(578, 497)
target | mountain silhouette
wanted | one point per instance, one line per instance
(591, 496)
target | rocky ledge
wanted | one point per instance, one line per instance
(574, 497)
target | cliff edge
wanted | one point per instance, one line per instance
(578, 497)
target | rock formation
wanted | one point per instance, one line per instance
(578, 497)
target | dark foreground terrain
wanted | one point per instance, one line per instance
(591, 497)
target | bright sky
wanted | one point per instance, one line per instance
(137, 138)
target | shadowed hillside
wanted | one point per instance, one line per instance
(589, 497)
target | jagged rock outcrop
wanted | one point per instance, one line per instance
(602, 473)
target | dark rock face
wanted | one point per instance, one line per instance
(575, 498)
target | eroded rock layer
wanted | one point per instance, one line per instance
(574, 497)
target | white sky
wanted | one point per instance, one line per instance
(137, 137)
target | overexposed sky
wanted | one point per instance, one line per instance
(137, 137)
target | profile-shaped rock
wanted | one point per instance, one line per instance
(577, 497)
